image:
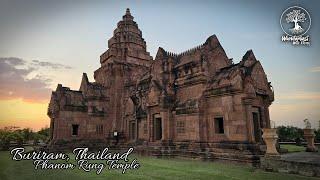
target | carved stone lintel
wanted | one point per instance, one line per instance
(247, 101)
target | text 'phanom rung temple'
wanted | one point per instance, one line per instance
(196, 104)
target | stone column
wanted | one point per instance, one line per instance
(263, 117)
(51, 129)
(270, 137)
(136, 131)
(150, 126)
(308, 135)
(54, 131)
(267, 114)
(172, 125)
(164, 126)
(248, 108)
(202, 120)
(152, 119)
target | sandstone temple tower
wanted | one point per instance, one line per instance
(196, 103)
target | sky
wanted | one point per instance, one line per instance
(44, 43)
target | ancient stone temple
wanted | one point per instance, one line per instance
(197, 103)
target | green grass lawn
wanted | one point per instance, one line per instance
(151, 168)
(293, 148)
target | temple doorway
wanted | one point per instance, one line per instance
(256, 126)
(132, 130)
(157, 124)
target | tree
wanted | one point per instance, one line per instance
(4, 139)
(8, 135)
(295, 16)
(13, 135)
(317, 133)
(289, 133)
(37, 137)
(44, 131)
(26, 133)
(17, 137)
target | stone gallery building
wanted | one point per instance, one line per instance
(197, 103)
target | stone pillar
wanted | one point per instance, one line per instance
(202, 120)
(308, 135)
(248, 109)
(270, 137)
(150, 126)
(165, 124)
(51, 128)
(263, 117)
(136, 131)
(267, 114)
(172, 125)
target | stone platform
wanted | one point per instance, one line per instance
(303, 163)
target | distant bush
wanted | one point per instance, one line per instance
(289, 133)
(317, 138)
(44, 132)
(8, 135)
(294, 134)
(16, 136)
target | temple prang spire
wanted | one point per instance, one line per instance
(128, 11)
(127, 16)
(127, 44)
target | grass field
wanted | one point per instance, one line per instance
(151, 168)
(293, 148)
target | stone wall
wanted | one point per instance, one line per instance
(276, 164)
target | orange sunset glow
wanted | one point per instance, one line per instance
(19, 113)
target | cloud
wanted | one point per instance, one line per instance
(49, 65)
(315, 69)
(14, 61)
(301, 95)
(15, 82)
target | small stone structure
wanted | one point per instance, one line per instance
(270, 137)
(309, 135)
(198, 103)
(303, 163)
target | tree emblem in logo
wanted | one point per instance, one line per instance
(296, 16)
(295, 21)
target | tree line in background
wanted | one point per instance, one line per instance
(14, 136)
(294, 134)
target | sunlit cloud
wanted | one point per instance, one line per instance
(20, 79)
(300, 95)
(55, 66)
(315, 69)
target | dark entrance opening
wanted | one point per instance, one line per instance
(157, 129)
(75, 129)
(132, 130)
(218, 125)
(256, 126)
